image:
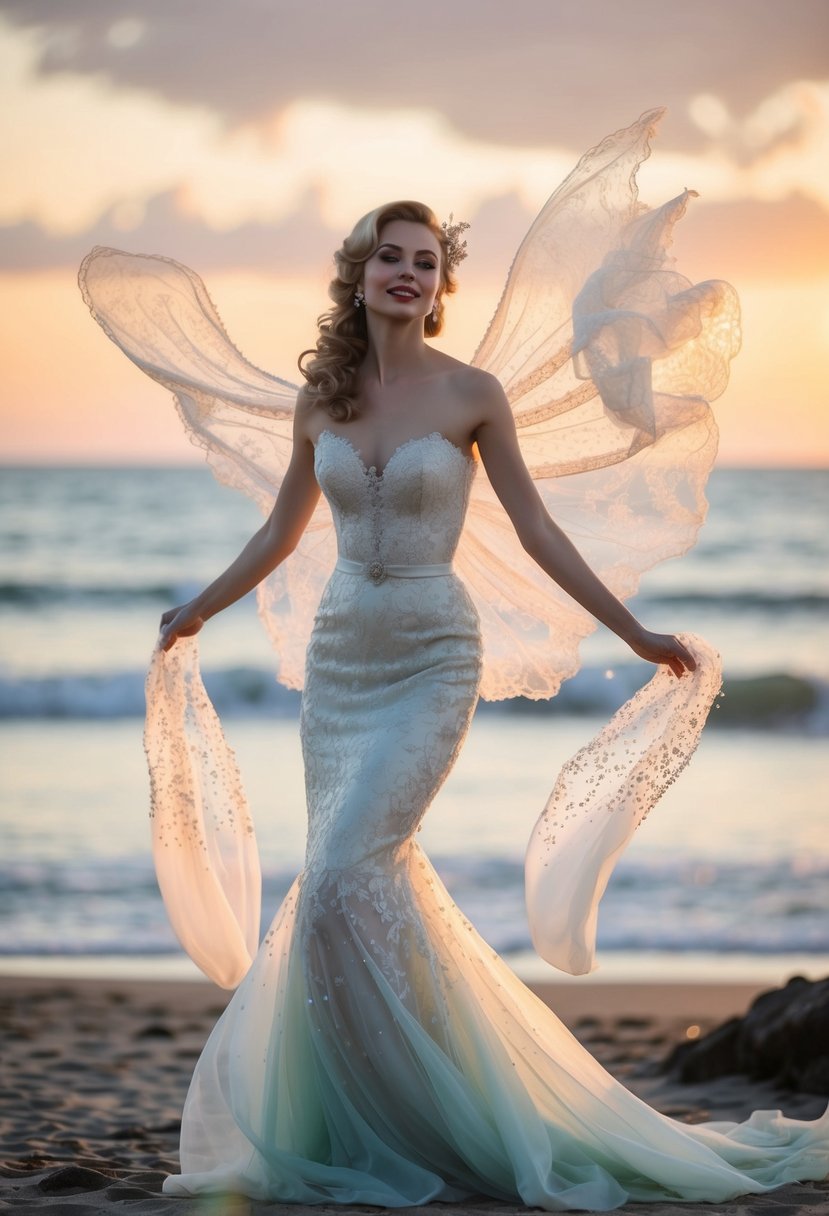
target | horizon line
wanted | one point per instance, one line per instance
(8, 463)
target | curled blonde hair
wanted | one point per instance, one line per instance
(331, 367)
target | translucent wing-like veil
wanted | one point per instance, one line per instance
(609, 358)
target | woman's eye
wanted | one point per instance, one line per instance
(387, 257)
(428, 266)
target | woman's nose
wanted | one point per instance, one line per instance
(405, 274)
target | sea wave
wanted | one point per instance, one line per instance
(743, 600)
(49, 595)
(773, 701)
(34, 594)
(236, 692)
(112, 906)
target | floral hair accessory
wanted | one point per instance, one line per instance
(457, 248)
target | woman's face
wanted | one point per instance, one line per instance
(401, 279)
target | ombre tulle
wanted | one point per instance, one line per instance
(325, 1082)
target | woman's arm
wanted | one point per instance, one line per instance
(275, 540)
(547, 544)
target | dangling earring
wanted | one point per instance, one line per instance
(359, 298)
(435, 311)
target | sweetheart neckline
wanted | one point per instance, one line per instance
(371, 470)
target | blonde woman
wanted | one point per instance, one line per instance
(377, 1051)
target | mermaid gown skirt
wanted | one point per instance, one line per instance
(378, 1051)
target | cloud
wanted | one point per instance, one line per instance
(90, 161)
(300, 245)
(294, 246)
(778, 242)
(781, 149)
(77, 146)
(80, 147)
(530, 72)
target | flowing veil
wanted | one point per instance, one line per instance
(609, 358)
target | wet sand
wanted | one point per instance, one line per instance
(94, 1074)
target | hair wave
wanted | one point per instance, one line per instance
(330, 368)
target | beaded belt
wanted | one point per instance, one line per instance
(376, 571)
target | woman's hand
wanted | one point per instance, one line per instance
(663, 648)
(275, 540)
(181, 622)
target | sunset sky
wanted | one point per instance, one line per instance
(245, 138)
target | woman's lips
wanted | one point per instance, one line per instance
(402, 293)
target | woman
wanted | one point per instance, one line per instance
(376, 1051)
(392, 390)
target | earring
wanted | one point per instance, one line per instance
(435, 311)
(359, 298)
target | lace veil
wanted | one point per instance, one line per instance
(608, 356)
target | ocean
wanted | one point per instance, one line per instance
(727, 879)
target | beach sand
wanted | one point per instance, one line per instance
(94, 1074)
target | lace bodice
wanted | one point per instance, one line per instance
(389, 661)
(411, 513)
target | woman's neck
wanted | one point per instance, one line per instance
(395, 351)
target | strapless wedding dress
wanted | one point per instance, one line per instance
(378, 1051)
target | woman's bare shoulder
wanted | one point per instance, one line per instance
(477, 398)
(468, 381)
(480, 394)
(480, 383)
(305, 415)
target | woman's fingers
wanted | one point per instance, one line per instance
(167, 636)
(177, 624)
(685, 655)
(666, 649)
(680, 659)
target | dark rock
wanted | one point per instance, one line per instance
(814, 1077)
(155, 1030)
(784, 1037)
(714, 1055)
(72, 1178)
(130, 1132)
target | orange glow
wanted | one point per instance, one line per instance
(70, 395)
(112, 143)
